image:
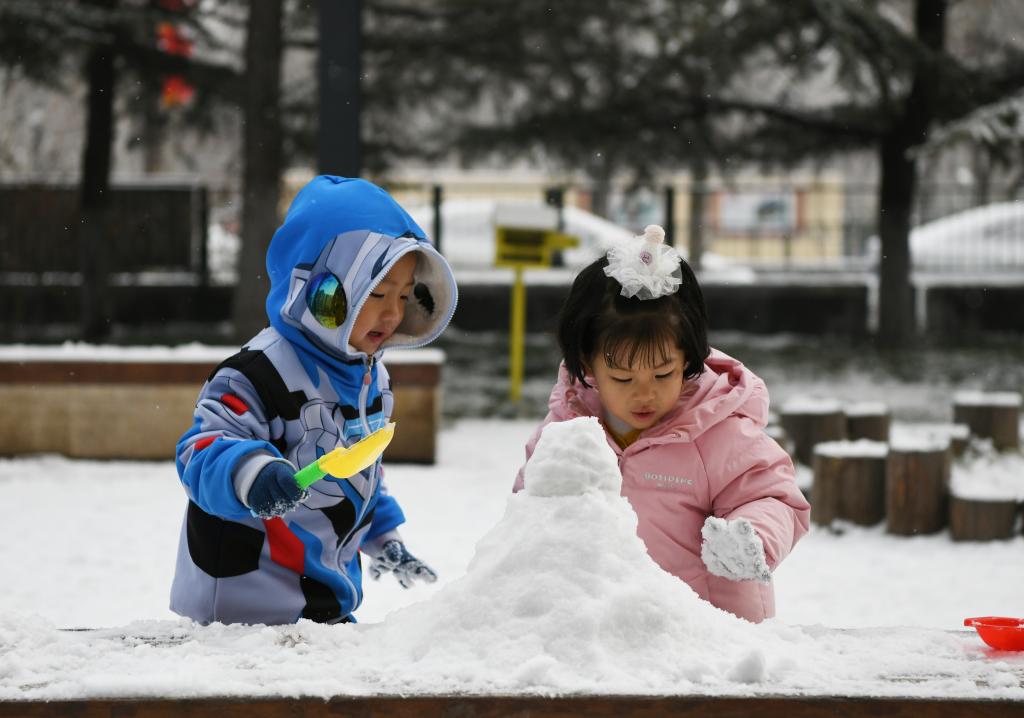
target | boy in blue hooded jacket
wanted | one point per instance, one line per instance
(351, 275)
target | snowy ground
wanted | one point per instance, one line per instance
(89, 544)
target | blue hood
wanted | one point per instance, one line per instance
(355, 230)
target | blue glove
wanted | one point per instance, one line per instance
(275, 491)
(407, 568)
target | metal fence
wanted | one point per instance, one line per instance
(150, 228)
(775, 225)
(767, 225)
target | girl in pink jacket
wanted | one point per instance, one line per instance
(716, 497)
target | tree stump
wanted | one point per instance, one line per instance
(869, 420)
(994, 416)
(959, 438)
(812, 421)
(980, 519)
(849, 482)
(917, 488)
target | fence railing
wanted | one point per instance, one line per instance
(764, 225)
(149, 228)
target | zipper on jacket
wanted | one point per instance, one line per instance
(357, 597)
(364, 391)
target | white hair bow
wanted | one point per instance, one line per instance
(645, 266)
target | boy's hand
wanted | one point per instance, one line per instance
(275, 492)
(733, 550)
(407, 568)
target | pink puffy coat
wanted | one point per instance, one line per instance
(708, 456)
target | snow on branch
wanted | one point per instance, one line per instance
(998, 124)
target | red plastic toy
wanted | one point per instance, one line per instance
(1004, 634)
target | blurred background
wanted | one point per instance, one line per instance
(845, 177)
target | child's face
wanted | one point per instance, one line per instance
(642, 394)
(385, 307)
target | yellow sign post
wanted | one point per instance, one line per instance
(522, 248)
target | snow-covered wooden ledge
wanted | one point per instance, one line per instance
(483, 706)
(165, 668)
(109, 402)
(561, 612)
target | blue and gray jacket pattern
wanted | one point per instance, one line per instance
(294, 392)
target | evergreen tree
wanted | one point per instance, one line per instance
(612, 86)
(108, 40)
(898, 76)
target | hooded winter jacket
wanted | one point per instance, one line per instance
(709, 456)
(296, 391)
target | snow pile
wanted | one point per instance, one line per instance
(560, 598)
(923, 441)
(561, 594)
(805, 404)
(907, 433)
(587, 462)
(984, 474)
(866, 408)
(222, 251)
(991, 398)
(191, 352)
(71, 351)
(861, 448)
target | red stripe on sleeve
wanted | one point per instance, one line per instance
(234, 403)
(204, 442)
(286, 548)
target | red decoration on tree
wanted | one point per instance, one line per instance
(176, 90)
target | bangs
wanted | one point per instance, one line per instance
(640, 342)
(596, 320)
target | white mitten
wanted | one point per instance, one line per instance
(733, 550)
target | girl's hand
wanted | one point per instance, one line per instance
(733, 550)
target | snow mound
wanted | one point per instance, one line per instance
(987, 398)
(561, 594)
(985, 474)
(572, 457)
(861, 448)
(811, 405)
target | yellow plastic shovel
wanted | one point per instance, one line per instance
(346, 461)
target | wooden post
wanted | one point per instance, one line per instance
(917, 488)
(869, 420)
(849, 482)
(959, 438)
(809, 422)
(981, 520)
(994, 416)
